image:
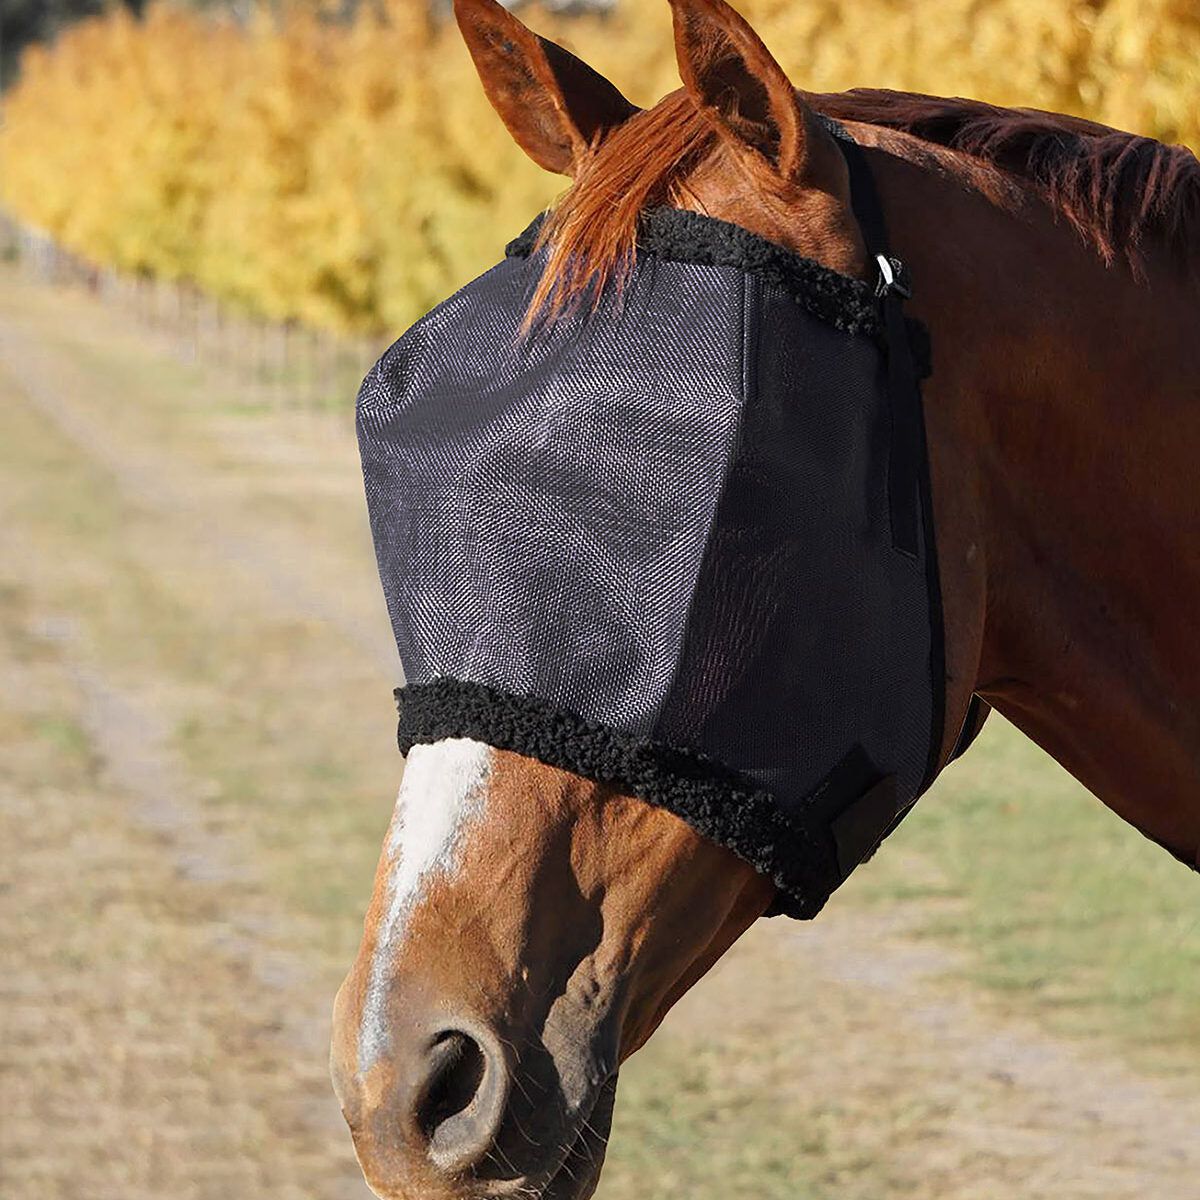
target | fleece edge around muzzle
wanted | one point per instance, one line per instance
(805, 859)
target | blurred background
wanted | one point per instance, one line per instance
(213, 217)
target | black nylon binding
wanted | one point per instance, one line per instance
(904, 462)
(977, 714)
(910, 497)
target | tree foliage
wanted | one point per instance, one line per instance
(25, 21)
(349, 174)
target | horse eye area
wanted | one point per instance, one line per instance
(456, 1070)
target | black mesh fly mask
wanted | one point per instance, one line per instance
(680, 544)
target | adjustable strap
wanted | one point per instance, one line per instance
(977, 713)
(904, 396)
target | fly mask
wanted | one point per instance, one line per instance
(680, 543)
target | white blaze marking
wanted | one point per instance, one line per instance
(442, 790)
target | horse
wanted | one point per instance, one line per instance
(530, 927)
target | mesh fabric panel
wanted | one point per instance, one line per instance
(667, 518)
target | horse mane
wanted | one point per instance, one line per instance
(1118, 190)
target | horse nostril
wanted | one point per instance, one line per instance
(456, 1070)
(462, 1102)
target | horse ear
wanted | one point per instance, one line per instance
(556, 107)
(739, 86)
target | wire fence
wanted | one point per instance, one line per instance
(276, 363)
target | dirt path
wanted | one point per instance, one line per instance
(162, 1036)
(194, 726)
(165, 1020)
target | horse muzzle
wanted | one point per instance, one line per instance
(455, 1109)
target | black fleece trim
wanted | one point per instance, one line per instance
(676, 235)
(715, 801)
(687, 237)
(524, 244)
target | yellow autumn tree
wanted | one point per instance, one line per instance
(349, 176)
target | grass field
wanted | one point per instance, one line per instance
(1065, 911)
(198, 768)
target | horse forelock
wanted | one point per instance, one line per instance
(591, 234)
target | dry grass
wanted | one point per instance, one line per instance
(197, 770)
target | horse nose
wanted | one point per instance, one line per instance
(459, 1097)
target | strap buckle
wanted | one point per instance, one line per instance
(893, 278)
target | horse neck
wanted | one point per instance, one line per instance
(1064, 430)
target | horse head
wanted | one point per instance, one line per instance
(530, 927)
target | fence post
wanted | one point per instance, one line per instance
(287, 363)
